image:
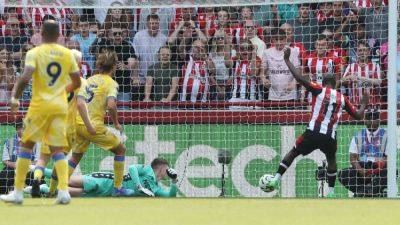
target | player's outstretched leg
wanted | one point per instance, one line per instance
(283, 166)
(119, 164)
(331, 174)
(22, 168)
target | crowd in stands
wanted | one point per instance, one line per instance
(214, 54)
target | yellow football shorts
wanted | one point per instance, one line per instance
(103, 138)
(71, 138)
(51, 129)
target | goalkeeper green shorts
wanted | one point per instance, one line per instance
(98, 185)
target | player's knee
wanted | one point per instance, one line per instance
(119, 150)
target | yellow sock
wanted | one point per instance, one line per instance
(38, 173)
(53, 186)
(61, 167)
(22, 168)
(119, 163)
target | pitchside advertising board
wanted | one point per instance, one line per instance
(193, 151)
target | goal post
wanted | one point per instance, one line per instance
(201, 77)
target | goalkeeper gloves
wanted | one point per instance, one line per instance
(145, 191)
(173, 175)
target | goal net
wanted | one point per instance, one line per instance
(203, 84)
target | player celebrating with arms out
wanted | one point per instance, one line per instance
(100, 95)
(49, 66)
(327, 107)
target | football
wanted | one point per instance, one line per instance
(263, 183)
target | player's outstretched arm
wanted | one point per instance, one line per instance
(351, 109)
(295, 72)
(83, 112)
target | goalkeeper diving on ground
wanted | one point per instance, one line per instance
(143, 180)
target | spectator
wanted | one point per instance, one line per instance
(220, 54)
(293, 44)
(86, 72)
(367, 176)
(318, 63)
(338, 54)
(185, 15)
(305, 27)
(267, 16)
(10, 152)
(222, 23)
(250, 34)
(36, 38)
(147, 43)
(117, 17)
(162, 78)
(246, 17)
(245, 73)
(324, 12)
(126, 74)
(288, 11)
(363, 75)
(334, 21)
(207, 18)
(58, 12)
(85, 38)
(377, 19)
(7, 75)
(197, 73)
(182, 39)
(274, 72)
(14, 40)
(359, 34)
(166, 16)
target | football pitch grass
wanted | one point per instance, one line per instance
(206, 211)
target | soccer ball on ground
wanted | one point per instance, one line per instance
(264, 180)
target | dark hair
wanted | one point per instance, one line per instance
(308, 5)
(278, 33)
(329, 79)
(50, 31)
(163, 47)
(152, 16)
(158, 162)
(48, 17)
(106, 61)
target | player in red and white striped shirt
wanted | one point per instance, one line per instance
(327, 107)
(362, 76)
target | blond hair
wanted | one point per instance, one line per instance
(106, 61)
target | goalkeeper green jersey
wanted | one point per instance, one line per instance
(102, 184)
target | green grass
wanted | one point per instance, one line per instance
(139, 211)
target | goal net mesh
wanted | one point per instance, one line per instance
(200, 77)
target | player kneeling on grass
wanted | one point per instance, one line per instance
(100, 96)
(327, 107)
(143, 180)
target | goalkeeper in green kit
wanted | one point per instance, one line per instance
(142, 179)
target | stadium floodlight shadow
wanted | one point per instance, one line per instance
(224, 158)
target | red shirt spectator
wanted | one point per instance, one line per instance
(364, 75)
(319, 63)
(196, 79)
(185, 14)
(207, 18)
(62, 15)
(325, 11)
(367, 3)
(245, 73)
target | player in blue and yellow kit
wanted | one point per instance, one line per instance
(100, 95)
(51, 68)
